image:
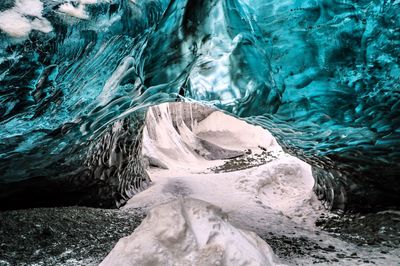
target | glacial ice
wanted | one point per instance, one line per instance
(76, 78)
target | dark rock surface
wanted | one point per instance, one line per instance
(63, 236)
(372, 229)
(247, 160)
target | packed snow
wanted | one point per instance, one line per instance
(232, 133)
(74, 11)
(189, 231)
(24, 17)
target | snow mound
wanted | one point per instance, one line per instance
(232, 133)
(189, 135)
(169, 141)
(190, 232)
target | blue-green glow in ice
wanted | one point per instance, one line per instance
(76, 77)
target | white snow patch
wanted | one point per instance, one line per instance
(232, 133)
(29, 7)
(280, 190)
(88, 2)
(16, 24)
(284, 185)
(78, 11)
(173, 147)
(177, 146)
(190, 232)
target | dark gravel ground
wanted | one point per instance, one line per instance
(248, 160)
(293, 248)
(378, 232)
(290, 248)
(372, 229)
(62, 236)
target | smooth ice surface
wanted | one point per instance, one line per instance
(190, 232)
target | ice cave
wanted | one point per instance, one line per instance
(158, 121)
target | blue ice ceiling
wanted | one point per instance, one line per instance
(76, 78)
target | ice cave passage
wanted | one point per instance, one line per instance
(76, 79)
